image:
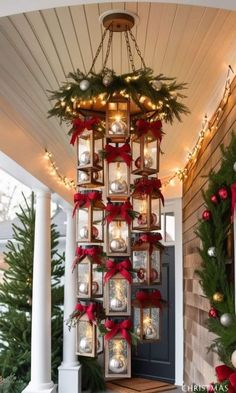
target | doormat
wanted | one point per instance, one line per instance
(137, 385)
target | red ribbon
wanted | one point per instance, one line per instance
(148, 186)
(122, 328)
(144, 126)
(224, 373)
(80, 125)
(118, 211)
(123, 152)
(233, 200)
(149, 298)
(94, 253)
(89, 310)
(121, 267)
(86, 200)
(150, 238)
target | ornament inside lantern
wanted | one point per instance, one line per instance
(117, 358)
(147, 323)
(117, 119)
(117, 296)
(90, 280)
(86, 337)
(89, 216)
(118, 233)
(91, 178)
(146, 154)
(117, 180)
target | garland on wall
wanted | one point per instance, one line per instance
(217, 271)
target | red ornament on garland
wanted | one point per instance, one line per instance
(206, 215)
(213, 313)
(223, 193)
(214, 199)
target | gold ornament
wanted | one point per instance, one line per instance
(218, 297)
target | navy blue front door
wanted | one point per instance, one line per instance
(157, 360)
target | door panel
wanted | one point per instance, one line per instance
(157, 360)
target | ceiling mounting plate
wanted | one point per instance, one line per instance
(118, 20)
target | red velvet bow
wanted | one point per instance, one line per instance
(121, 328)
(118, 211)
(121, 267)
(149, 298)
(94, 253)
(151, 239)
(89, 310)
(144, 126)
(233, 200)
(80, 125)
(86, 200)
(148, 186)
(123, 152)
(224, 373)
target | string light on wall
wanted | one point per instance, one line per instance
(54, 171)
(206, 128)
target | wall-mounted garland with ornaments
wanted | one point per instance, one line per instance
(217, 271)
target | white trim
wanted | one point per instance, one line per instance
(175, 206)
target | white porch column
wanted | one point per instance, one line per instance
(69, 371)
(41, 301)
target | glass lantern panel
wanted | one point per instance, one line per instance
(117, 356)
(84, 150)
(85, 338)
(97, 227)
(155, 212)
(91, 177)
(118, 234)
(82, 225)
(83, 278)
(99, 342)
(136, 320)
(140, 261)
(151, 323)
(140, 206)
(155, 273)
(118, 295)
(150, 153)
(117, 118)
(97, 285)
(118, 179)
(136, 153)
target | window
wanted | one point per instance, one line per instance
(168, 227)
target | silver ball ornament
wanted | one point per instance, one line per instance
(138, 330)
(84, 158)
(107, 79)
(226, 320)
(118, 245)
(83, 288)
(150, 332)
(118, 127)
(118, 186)
(117, 304)
(148, 161)
(83, 176)
(234, 167)
(84, 85)
(233, 358)
(85, 345)
(211, 252)
(156, 84)
(83, 232)
(118, 364)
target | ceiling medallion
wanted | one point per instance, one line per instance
(152, 96)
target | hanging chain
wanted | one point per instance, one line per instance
(131, 59)
(108, 49)
(98, 50)
(137, 49)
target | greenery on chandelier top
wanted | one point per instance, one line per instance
(157, 95)
(216, 273)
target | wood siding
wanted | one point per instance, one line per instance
(199, 365)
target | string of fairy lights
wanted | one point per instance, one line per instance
(180, 174)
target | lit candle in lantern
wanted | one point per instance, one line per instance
(148, 161)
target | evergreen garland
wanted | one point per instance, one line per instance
(215, 274)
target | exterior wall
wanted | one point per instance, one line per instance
(199, 365)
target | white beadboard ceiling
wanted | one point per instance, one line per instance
(39, 48)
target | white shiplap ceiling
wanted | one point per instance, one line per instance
(38, 49)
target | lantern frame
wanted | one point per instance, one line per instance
(141, 323)
(92, 136)
(121, 196)
(128, 248)
(108, 310)
(145, 247)
(142, 141)
(84, 319)
(117, 100)
(109, 374)
(148, 198)
(92, 179)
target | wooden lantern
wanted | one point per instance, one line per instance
(118, 119)
(147, 323)
(89, 209)
(146, 259)
(146, 154)
(146, 200)
(89, 341)
(90, 281)
(117, 358)
(117, 296)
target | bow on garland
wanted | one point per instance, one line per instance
(80, 125)
(152, 239)
(86, 200)
(121, 267)
(146, 299)
(94, 254)
(122, 328)
(148, 186)
(225, 373)
(143, 126)
(123, 152)
(89, 310)
(122, 211)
